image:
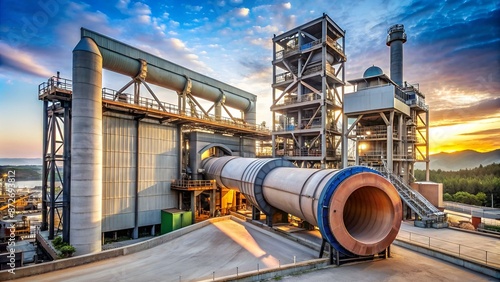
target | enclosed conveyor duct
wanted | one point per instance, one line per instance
(357, 210)
(127, 60)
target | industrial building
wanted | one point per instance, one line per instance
(124, 156)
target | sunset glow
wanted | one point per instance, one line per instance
(452, 53)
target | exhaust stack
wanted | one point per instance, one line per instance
(395, 39)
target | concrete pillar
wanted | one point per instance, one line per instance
(86, 151)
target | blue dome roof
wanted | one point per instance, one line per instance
(372, 71)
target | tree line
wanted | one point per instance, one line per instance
(470, 186)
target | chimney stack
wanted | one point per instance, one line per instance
(395, 39)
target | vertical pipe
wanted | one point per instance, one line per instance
(45, 164)
(389, 147)
(135, 233)
(218, 110)
(427, 161)
(52, 173)
(324, 106)
(67, 172)
(344, 145)
(273, 115)
(180, 146)
(86, 161)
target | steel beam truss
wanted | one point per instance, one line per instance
(56, 156)
(56, 168)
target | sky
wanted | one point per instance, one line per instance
(452, 52)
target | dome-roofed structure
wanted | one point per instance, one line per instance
(372, 71)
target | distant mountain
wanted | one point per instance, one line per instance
(20, 161)
(461, 160)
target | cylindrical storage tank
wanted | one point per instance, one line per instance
(86, 149)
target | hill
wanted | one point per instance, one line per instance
(20, 161)
(461, 160)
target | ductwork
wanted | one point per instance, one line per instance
(357, 210)
(124, 59)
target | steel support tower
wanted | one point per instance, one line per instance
(56, 97)
(308, 89)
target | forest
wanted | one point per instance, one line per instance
(469, 186)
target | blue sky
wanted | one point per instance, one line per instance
(452, 52)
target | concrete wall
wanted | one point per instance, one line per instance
(432, 191)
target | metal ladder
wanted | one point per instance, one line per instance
(418, 203)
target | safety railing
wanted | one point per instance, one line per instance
(305, 153)
(54, 84)
(280, 54)
(335, 45)
(152, 104)
(310, 44)
(282, 77)
(185, 183)
(417, 103)
(460, 250)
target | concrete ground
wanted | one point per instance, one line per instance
(224, 246)
(404, 265)
(221, 247)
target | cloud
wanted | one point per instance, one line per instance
(243, 12)
(139, 11)
(481, 110)
(21, 62)
(194, 8)
(495, 132)
(254, 64)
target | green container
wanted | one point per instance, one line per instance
(173, 219)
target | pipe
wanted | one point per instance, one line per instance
(170, 79)
(126, 60)
(356, 209)
(86, 151)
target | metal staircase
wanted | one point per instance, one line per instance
(418, 203)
